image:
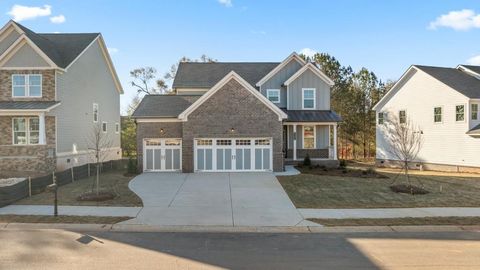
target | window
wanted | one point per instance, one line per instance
(381, 119)
(273, 95)
(104, 127)
(242, 142)
(24, 85)
(308, 98)
(459, 113)
(437, 115)
(402, 117)
(224, 142)
(117, 128)
(262, 142)
(172, 142)
(308, 137)
(95, 112)
(26, 131)
(153, 142)
(474, 111)
(204, 142)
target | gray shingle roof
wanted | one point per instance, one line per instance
(163, 105)
(312, 116)
(62, 49)
(27, 105)
(206, 75)
(456, 79)
(473, 68)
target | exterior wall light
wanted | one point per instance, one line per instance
(162, 131)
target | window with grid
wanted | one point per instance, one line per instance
(402, 117)
(172, 142)
(262, 142)
(308, 137)
(381, 119)
(204, 142)
(153, 142)
(26, 131)
(308, 98)
(242, 142)
(474, 111)
(224, 142)
(437, 114)
(27, 85)
(273, 95)
(459, 113)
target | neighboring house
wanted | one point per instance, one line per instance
(444, 104)
(238, 117)
(54, 88)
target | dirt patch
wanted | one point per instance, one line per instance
(94, 197)
(408, 189)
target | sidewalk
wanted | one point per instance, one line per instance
(98, 211)
(390, 212)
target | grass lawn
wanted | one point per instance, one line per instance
(326, 191)
(61, 219)
(399, 221)
(110, 181)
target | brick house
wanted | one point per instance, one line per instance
(238, 117)
(54, 88)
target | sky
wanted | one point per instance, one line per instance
(384, 36)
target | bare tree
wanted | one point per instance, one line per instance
(100, 143)
(405, 141)
(142, 81)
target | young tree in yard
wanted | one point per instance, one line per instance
(129, 136)
(405, 140)
(100, 143)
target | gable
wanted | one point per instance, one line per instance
(26, 56)
(7, 38)
(395, 88)
(277, 80)
(292, 57)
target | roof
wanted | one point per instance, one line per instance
(312, 116)
(62, 49)
(475, 69)
(27, 105)
(456, 79)
(475, 130)
(206, 75)
(154, 106)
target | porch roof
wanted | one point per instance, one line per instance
(312, 116)
(475, 130)
(28, 105)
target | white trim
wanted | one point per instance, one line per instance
(288, 97)
(309, 123)
(315, 70)
(18, 44)
(314, 136)
(157, 120)
(469, 71)
(292, 56)
(314, 98)
(27, 131)
(274, 91)
(388, 95)
(105, 124)
(378, 118)
(14, 25)
(471, 111)
(232, 75)
(27, 85)
(162, 147)
(27, 68)
(295, 136)
(6, 31)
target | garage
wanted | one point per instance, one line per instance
(233, 154)
(162, 155)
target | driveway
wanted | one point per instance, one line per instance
(217, 199)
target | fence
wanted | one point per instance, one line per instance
(32, 186)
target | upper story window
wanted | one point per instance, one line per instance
(308, 137)
(104, 127)
(273, 95)
(474, 111)
(117, 128)
(402, 116)
(95, 112)
(460, 113)
(308, 98)
(381, 118)
(26, 85)
(26, 130)
(437, 115)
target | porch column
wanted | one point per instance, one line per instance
(41, 128)
(335, 142)
(294, 141)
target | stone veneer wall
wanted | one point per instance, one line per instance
(26, 160)
(48, 85)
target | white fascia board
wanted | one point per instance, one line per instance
(315, 70)
(292, 56)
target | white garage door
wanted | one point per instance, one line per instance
(233, 154)
(162, 154)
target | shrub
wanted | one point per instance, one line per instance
(132, 166)
(371, 171)
(307, 161)
(343, 163)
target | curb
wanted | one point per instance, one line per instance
(227, 229)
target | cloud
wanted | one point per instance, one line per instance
(257, 32)
(22, 13)
(227, 3)
(308, 52)
(57, 19)
(460, 20)
(474, 60)
(112, 50)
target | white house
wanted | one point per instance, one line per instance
(444, 104)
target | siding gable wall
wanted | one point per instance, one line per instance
(8, 41)
(276, 82)
(308, 80)
(26, 57)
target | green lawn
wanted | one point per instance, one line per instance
(110, 181)
(325, 191)
(61, 219)
(399, 221)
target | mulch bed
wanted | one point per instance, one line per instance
(320, 170)
(409, 189)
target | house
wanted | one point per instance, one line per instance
(238, 117)
(54, 89)
(444, 104)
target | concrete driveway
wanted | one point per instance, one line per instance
(217, 199)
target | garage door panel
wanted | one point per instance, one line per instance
(176, 159)
(149, 158)
(162, 154)
(208, 159)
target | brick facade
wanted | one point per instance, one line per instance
(48, 85)
(26, 160)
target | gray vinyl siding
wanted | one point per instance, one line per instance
(309, 80)
(26, 57)
(278, 79)
(8, 41)
(86, 82)
(321, 138)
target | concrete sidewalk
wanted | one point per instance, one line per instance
(98, 211)
(390, 212)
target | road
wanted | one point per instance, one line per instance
(58, 249)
